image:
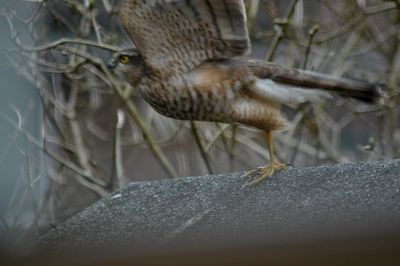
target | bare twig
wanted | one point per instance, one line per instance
(118, 165)
(64, 41)
(202, 150)
(83, 176)
(313, 31)
(280, 31)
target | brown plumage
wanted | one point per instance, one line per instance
(188, 64)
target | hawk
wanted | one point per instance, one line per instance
(189, 63)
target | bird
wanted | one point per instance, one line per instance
(189, 62)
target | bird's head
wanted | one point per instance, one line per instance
(129, 64)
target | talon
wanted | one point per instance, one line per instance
(251, 173)
(268, 171)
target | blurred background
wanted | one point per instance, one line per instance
(68, 136)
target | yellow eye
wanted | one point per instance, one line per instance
(124, 59)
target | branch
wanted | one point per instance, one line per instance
(202, 150)
(83, 176)
(63, 41)
(280, 32)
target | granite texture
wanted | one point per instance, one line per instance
(295, 206)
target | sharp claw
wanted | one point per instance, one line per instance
(266, 172)
(251, 173)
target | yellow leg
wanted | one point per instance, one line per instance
(266, 171)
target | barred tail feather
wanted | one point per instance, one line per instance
(298, 86)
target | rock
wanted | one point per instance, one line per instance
(294, 207)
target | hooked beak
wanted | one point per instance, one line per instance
(111, 64)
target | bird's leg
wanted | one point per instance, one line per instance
(266, 171)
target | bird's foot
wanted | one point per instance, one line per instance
(265, 172)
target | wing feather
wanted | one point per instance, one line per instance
(173, 36)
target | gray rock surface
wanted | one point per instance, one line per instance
(309, 205)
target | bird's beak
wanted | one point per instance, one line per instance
(111, 64)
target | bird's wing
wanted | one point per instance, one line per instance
(173, 36)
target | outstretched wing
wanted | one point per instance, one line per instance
(173, 36)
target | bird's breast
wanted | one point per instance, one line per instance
(187, 97)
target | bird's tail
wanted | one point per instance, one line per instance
(293, 86)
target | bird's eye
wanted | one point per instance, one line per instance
(124, 59)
